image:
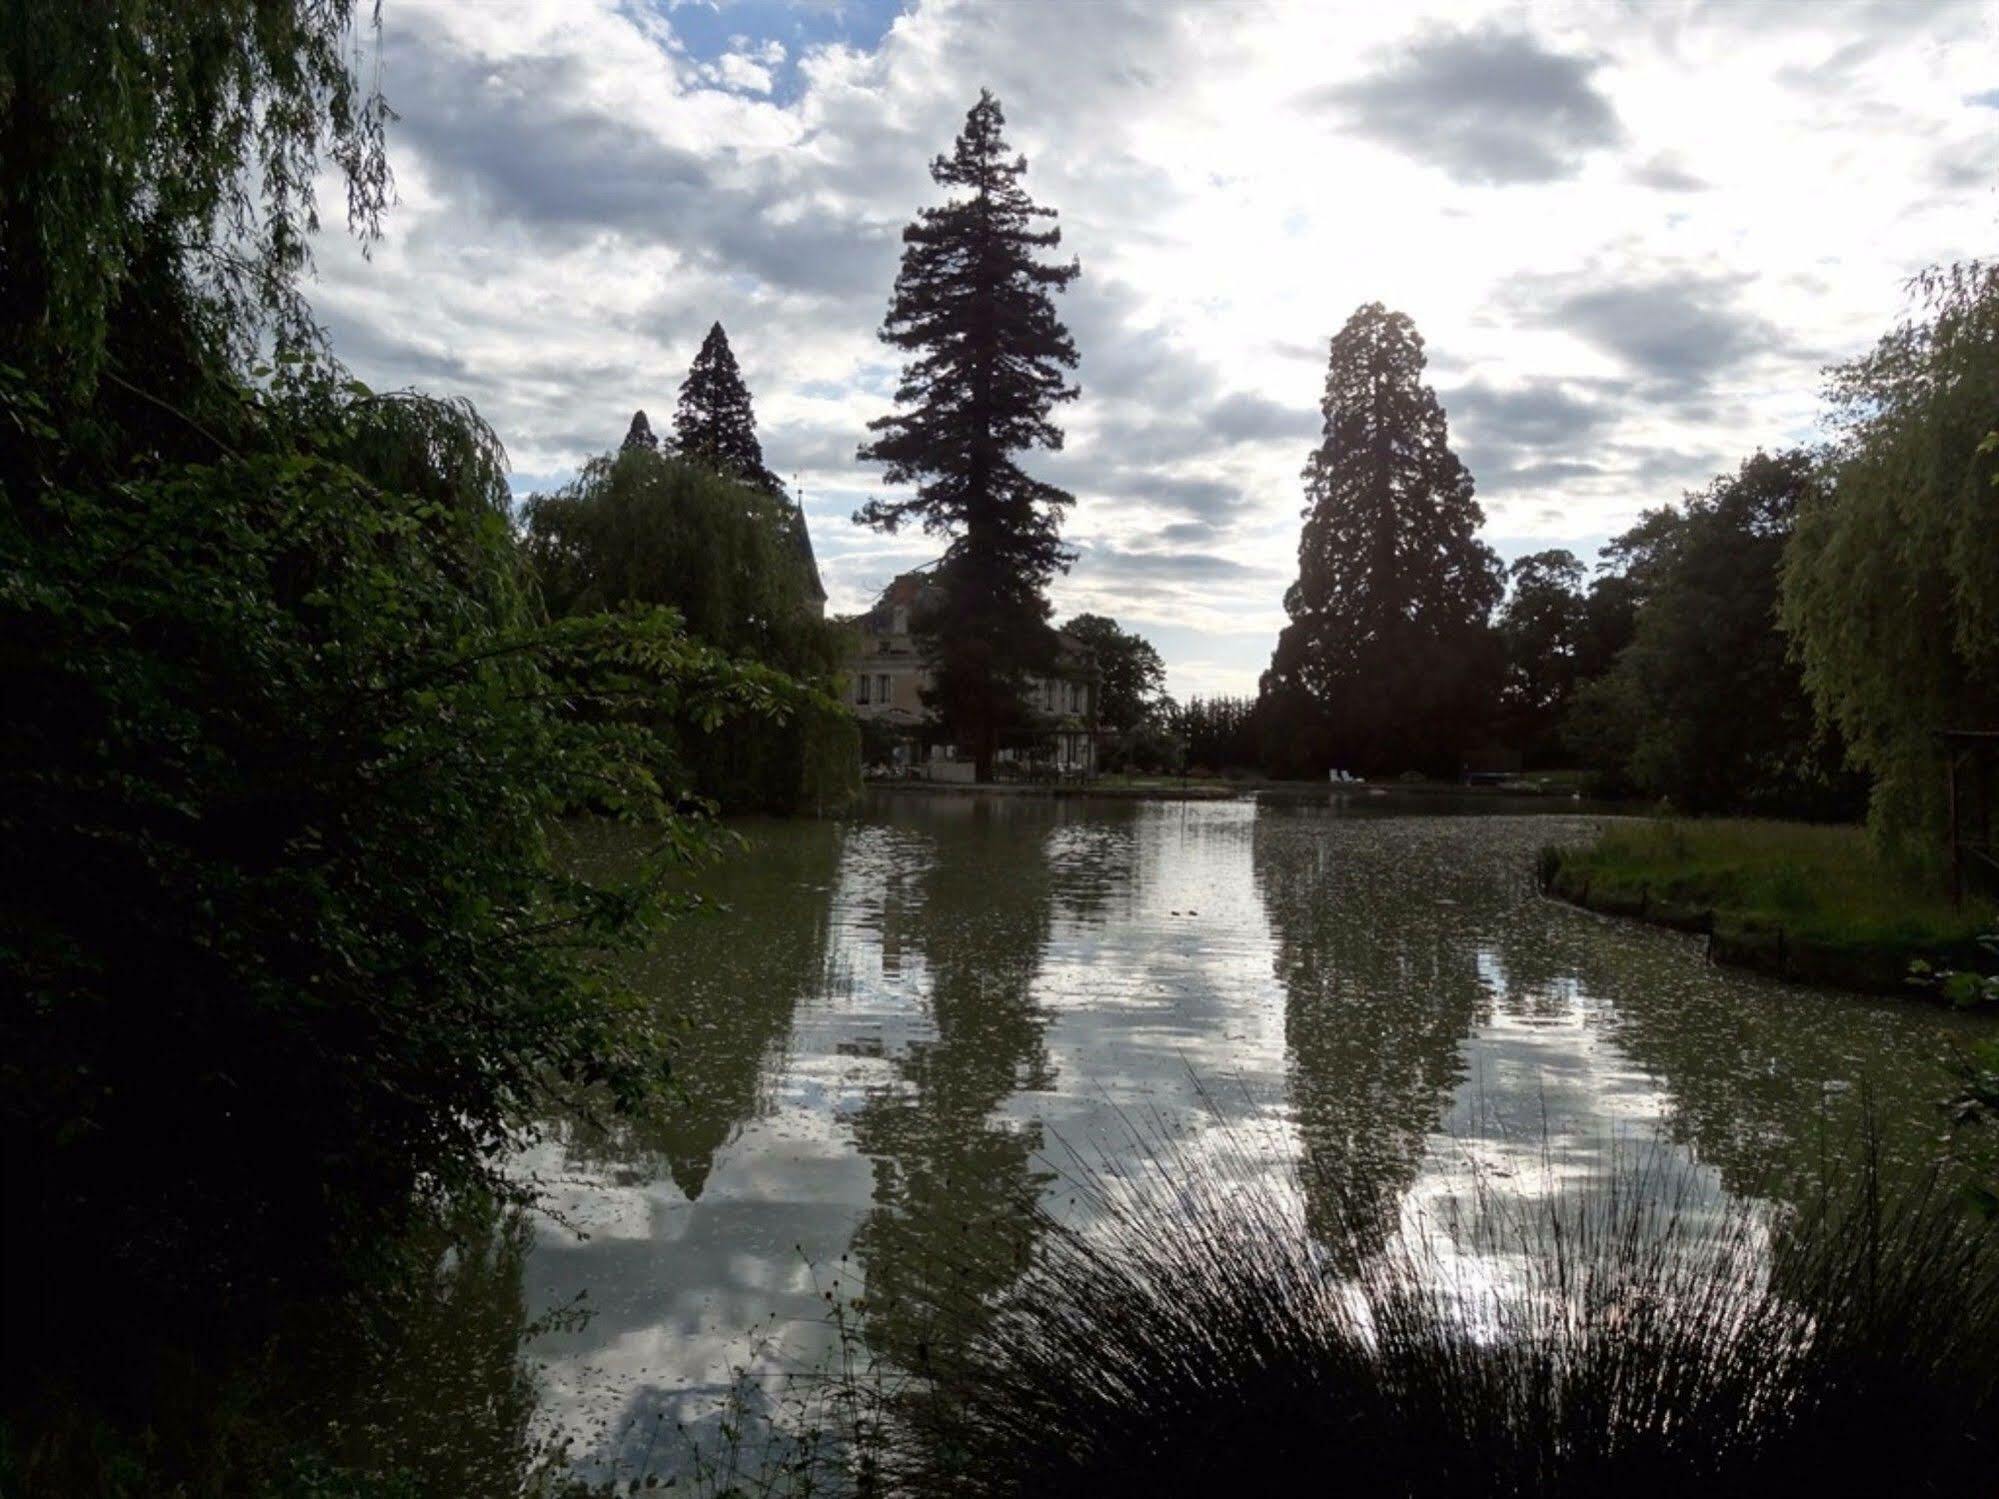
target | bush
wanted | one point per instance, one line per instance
(288, 958)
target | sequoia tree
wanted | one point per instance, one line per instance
(714, 423)
(972, 309)
(1389, 661)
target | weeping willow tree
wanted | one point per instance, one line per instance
(642, 528)
(135, 132)
(638, 526)
(1891, 583)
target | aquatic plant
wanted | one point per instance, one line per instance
(1188, 1336)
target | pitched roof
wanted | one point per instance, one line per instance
(801, 541)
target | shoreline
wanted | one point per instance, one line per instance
(1213, 791)
(1764, 946)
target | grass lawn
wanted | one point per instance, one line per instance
(1819, 887)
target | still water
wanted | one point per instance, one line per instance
(895, 1029)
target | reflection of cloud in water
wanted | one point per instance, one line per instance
(1168, 1015)
(674, 1286)
(1554, 1123)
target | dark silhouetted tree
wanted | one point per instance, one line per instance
(714, 423)
(972, 309)
(1389, 661)
(1221, 733)
(1134, 678)
(1705, 706)
(1542, 628)
(640, 435)
(1133, 710)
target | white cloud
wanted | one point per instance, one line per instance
(1630, 236)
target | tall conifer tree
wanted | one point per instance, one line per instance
(1389, 662)
(972, 309)
(640, 434)
(714, 423)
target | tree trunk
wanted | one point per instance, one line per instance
(983, 756)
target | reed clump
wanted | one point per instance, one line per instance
(1189, 1335)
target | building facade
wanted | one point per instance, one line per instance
(888, 677)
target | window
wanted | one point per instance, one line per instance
(861, 688)
(881, 689)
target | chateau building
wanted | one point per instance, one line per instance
(888, 677)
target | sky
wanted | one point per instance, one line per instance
(1631, 234)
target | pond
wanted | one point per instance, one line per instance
(896, 1028)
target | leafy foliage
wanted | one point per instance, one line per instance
(1543, 630)
(1966, 988)
(1387, 662)
(290, 964)
(1133, 712)
(1891, 585)
(714, 423)
(972, 307)
(141, 141)
(1668, 719)
(288, 953)
(637, 528)
(1222, 733)
(1132, 691)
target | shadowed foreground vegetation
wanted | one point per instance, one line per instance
(1808, 900)
(1635, 1340)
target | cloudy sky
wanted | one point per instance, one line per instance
(1631, 233)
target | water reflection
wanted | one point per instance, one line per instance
(1382, 980)
(954, 1181)
(899, 1025)
(729, 995)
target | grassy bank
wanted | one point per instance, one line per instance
(1797, 899)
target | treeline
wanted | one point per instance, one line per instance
(291, 962)
(1220, 734)
(1788, 640)
(1670, 676)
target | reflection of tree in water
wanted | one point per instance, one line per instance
(1091, 857)
(432, 1395)
(728, 981)
(953, 1184)
(1769, 1082)
(1374, 921)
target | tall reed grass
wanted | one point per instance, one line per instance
(1628, 1338)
